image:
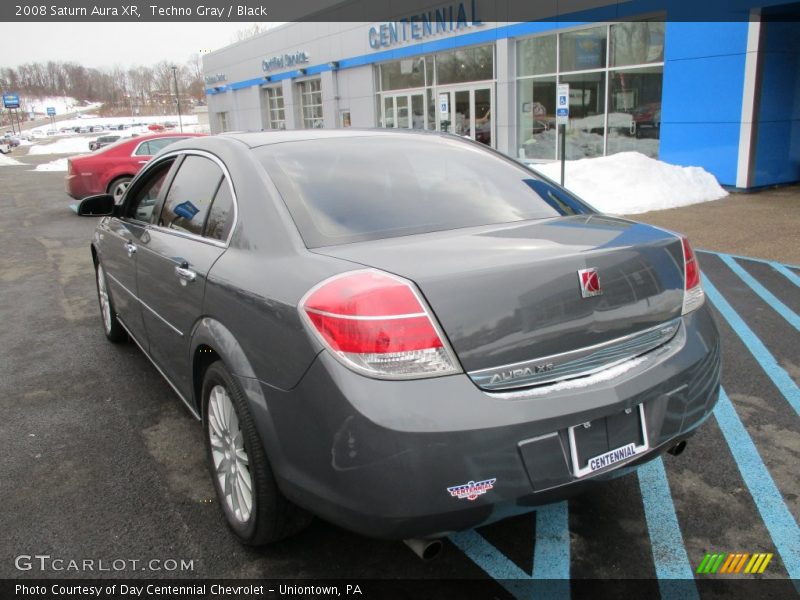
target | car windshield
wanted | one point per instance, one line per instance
(345, 190)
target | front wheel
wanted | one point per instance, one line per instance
(254, 507)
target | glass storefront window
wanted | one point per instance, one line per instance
(402, 74)
(611, 109)
(637, 43)
(466, 64)
(272, 109)
(583, 49)
(536, 56)
(311, 101)
(587, 107)
(536, 118)
(634, 110)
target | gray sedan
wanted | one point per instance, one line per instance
(407, 334)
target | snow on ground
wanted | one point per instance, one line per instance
(69, 145)
(60, 164)
(631, 183)
(7, 161)
(189, 121)
(62, 104)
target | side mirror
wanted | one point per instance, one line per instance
(101, 205)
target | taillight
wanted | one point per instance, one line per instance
(693, 295)
(379, 325)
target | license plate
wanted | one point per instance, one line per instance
(612, 457)
(618, 455)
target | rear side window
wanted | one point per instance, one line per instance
(190, 195)
(143, 149)
(372, 187)
(159, 144)
(220, 217)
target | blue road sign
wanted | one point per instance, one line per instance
(51, 111)
(11, 100)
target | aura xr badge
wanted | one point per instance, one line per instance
(590, 284)
(472, 489)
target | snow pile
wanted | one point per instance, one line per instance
(60, 164)
(631, 183)
(69, 145)
(7, 161)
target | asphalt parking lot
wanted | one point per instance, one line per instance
(101, 461)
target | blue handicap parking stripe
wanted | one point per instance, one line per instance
(551, 552)
(669, 554)
(550, 561)
(767, 296)
(776, 516)
(784, 270)
(750, 258)
(764, 357)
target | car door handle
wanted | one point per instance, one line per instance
(141, 162)
(185, 274)
(130, 248)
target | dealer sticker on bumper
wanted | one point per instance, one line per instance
(613, 456)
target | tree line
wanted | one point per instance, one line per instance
(139, 86)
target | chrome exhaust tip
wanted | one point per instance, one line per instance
(425, 549)
(678, 448)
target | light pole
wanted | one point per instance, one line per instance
(177, 97)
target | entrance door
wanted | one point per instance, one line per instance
(404, 111)
(467, 111)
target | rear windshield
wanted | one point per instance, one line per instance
(347, 190)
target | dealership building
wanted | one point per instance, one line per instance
(721, 95)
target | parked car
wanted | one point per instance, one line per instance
(103, 140)
(110, 169)
(5, 148)
(407, 334)
(155, 127)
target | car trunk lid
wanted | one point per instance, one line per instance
(509, 297)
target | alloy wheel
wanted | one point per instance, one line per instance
(231, 463)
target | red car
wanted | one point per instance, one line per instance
(110, 169)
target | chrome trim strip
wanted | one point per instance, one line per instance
(147, 306)
(325, 313)
(575, 363)
(191, 408)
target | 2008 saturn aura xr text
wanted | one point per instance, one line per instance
(407, 334)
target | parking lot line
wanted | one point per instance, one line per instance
(784, 270)
(551, 558)
(767, 296)
(764, 357)
(666, 541)
(767, 497)
(552, 549)
(750, 258)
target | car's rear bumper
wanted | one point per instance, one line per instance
(378, 457)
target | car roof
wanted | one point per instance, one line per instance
(256, 139)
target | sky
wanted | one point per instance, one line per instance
(107, 44)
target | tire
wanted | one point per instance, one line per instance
(111, 325)
(230, 432)
(117, 188)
